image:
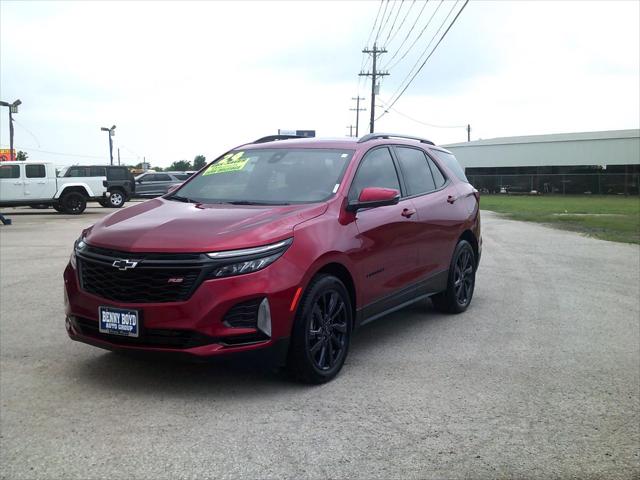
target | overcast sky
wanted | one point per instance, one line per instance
(181, 79)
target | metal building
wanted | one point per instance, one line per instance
(577, 163)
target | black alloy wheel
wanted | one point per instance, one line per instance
(460, 282)
(327, 331)
(321, 332)
(463, 277)
(74, 203)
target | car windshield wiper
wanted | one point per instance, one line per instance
(248, 202)
(178, 198)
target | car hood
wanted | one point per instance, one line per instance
(161, 225)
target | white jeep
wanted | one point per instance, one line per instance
(35, 183)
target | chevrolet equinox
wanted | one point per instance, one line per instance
(282, 245)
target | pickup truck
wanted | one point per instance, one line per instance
(35, 183)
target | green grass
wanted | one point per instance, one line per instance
(614, 218)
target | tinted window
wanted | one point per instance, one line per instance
(161, 177)
(182, 176)
(77, 172)
(375, 170)
(35, 171)
(9, 171)
(147, 178)
(451, 163)
(269, 176)
(415, 169)
(97, 172)
(117, 173)
(438, 177)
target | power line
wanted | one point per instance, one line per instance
(375, 22)
(402, 21)
(408, 34)
(386, 5)
(387, 108)
(393, 24)
(424, 29)
(430, 54)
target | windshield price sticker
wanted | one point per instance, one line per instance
(229, 163)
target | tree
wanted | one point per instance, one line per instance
(181, 166)
(199, 162)
(22, 156)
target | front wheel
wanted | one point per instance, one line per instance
(74, 203)
(322, 331)
(461, 281)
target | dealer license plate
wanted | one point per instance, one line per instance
(118, 321)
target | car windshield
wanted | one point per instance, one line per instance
(270, 176)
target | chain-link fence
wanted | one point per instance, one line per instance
(594, 183)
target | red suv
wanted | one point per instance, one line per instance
(282, 245)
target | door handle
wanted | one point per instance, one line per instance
(451, 199)
(408, 212)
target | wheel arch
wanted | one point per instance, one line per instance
(79, 188)
(341, 272)
(470, 237)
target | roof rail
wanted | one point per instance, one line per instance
(376, 136)
(271, 138)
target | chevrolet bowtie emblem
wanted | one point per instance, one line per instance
(124, 264)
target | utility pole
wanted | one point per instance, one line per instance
(373, 74)
(468, 132)
(118, 156)
(358, 110)
(350, 127)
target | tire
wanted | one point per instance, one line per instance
(104, 203)
(58, 208)
(460, 283)
(73, 203)
(321, 331)
(117, 199)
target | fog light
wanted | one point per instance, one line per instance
(264, 318)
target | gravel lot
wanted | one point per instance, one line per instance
(540, 378)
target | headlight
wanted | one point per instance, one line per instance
(247, 260)
(78, 246)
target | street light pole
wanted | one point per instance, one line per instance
(112, 132)
(13, 108)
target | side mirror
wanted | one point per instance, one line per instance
(174, 187)
(371, 197)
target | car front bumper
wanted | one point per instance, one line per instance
(194, 328)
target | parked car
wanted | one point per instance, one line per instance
(280, 246)
(36, 184)
(154, 184)
(119, 182)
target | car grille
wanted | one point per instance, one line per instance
(157, 278)
(159, 338)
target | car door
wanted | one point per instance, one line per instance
(438, 219)
(37, 184)
(387, 258)
(162, 183)
(11, 188)
(145, 184)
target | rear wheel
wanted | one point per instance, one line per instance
(322, 331)
(73, 203)
(116, 199)
(58, 208)
(461, 281)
